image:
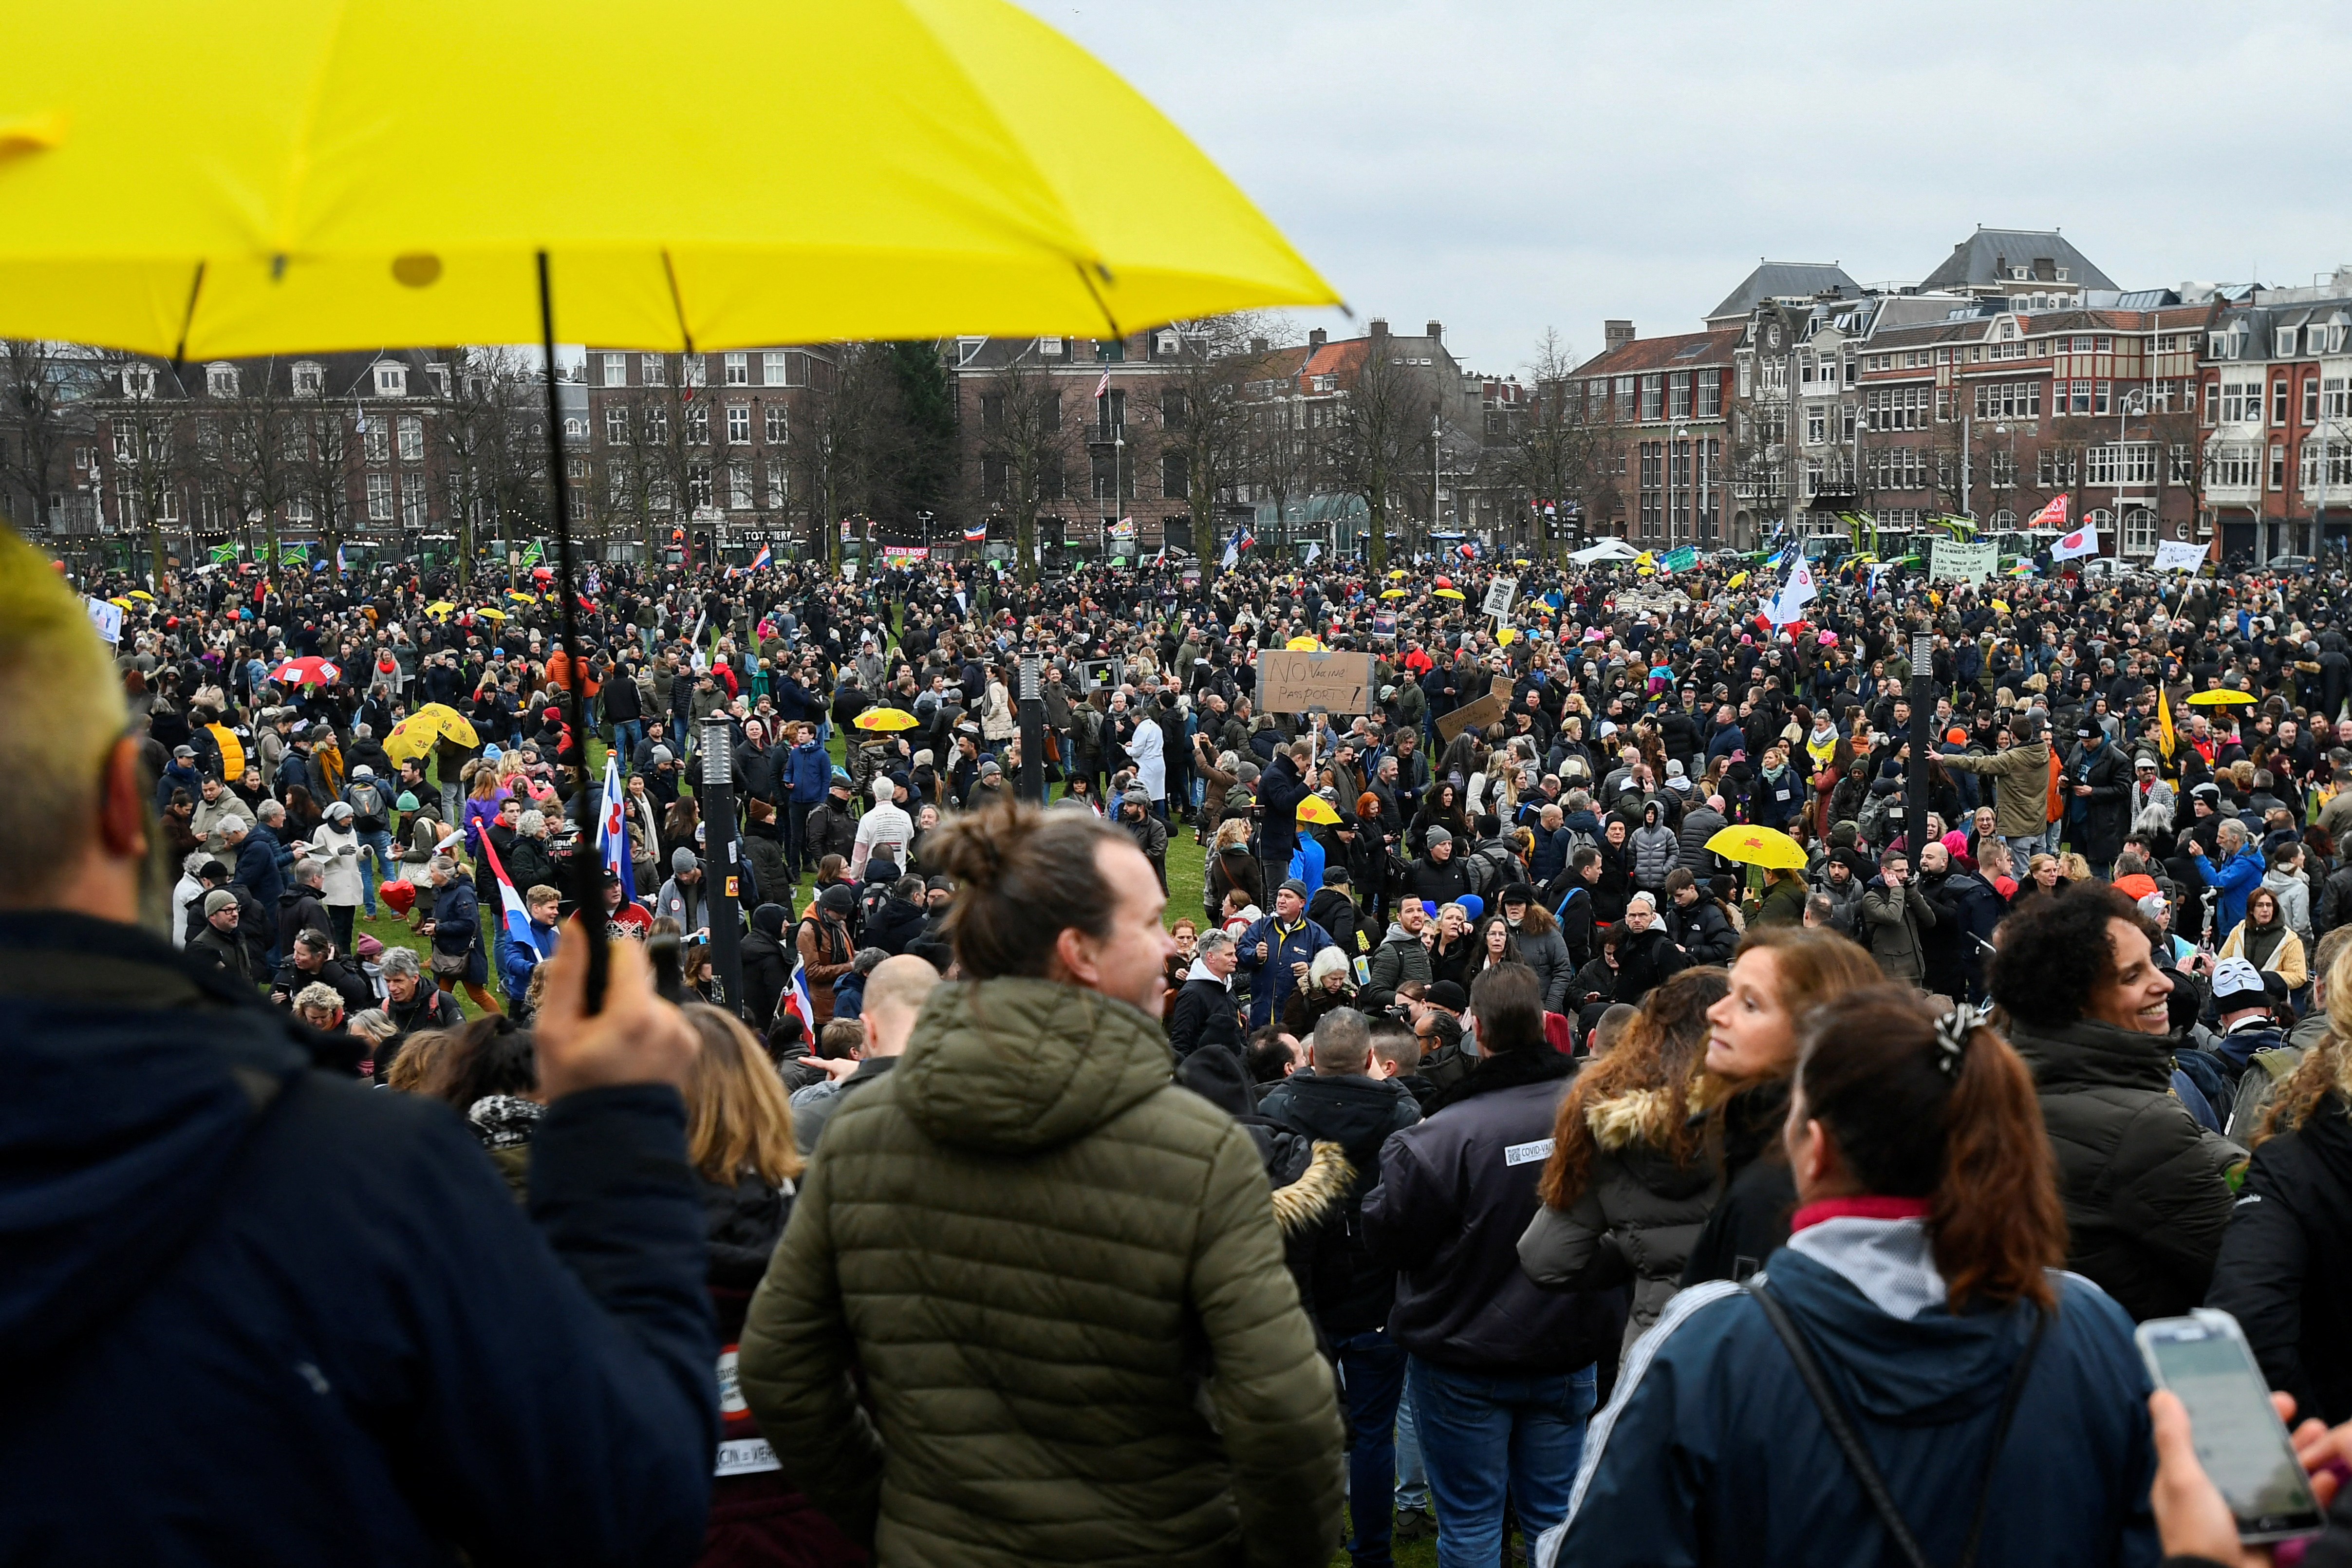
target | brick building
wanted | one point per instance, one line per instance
(2275, 416)
(1660, 409)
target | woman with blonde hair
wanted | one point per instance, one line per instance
(2264, 939)
(739, 1139)
(1628, 1187)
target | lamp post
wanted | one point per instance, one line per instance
(1031, 784)
(722, 859)
(1914, 777)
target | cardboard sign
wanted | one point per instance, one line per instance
(2180, 555)
(1499, 594)
(1478, 714)
(1962, 561)
(1291, 682)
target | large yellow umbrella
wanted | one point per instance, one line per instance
(1757, 847)
(488, 613)
(421, 731)
(2219, 697)
(438, 608)
(1303, 645)
(887, 720)
(1393, 593)
(908, 169)
(1449, 593)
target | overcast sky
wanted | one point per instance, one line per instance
(1508, 165)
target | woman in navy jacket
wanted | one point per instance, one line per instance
(1922, 1276)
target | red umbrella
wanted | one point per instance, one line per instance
(543, 572)
(308, 672)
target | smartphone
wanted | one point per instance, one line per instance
(2241, 1441)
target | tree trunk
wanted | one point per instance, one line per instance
(1376, 543)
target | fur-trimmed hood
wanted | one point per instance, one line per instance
(1646, 1115)
(1318, 1191)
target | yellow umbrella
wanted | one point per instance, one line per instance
(1315, 808)
(1393, 593)
(2001, 604)
(1522, 560)
(2218, 698)
(1737, 580)
(143, 593)
(520, 597)
(1757, 847)
(1394, 575)
(956, 166)
(885, 719)
(490, 614)
(417, 734)
(1304, 645)
(120, 601)
(1449, 593)
(439, 608)
(1503, 638)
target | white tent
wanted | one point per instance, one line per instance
(1607, 550)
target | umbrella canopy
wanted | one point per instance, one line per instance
(520, 597)
(439, 608)
(308, 672)
(1316, 809)
(488, 613)
(1757, 847)
(143, 593)
(886, 719)
(1449, 593)
(1303, 645)
(421, 731)
(2218, 698)
(1393, 593)
(953, 166)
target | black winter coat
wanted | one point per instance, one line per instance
(767, 971)
(1351, 1291)
(1204, 1015)
(1751, 1221)
(1703, 932)
(2106, 810)
(1456, 1193)
(1645, 960)
(2285, 1267)
(2145, 1199)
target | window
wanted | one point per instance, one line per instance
(738, 487)
(778, 488)
(2284, 337)
(438, 375)
(1654, 397)
(2055, 468)
(2241, 402)
(1896, 407)
(738, 370)
(220, 381)
(2139, 536)
(2102, 398)
(376, 442)
(1111, 350)
(391, 380)
(2278, 467)
(775, 425)
(968, 349)
(300, 512)
(1110, 414)
(771, 369)
(616, 369)
(617, 483)
(698, 484)
(412, 438)
(1596, 400)
(616, 424)
(138, 380)
(738, 424)
(656, 370)
(1710, 395)
(1678, 396)
(2333, 401)
(2327, 465)
(2008, 400)
(2003, 467)
(693, 370)
(309, 379)
(379, 498)
(2311, 400)
(2106, 344)
(412, 500)
(698, 424)
(1747, 377)
(1172, 410)
(1945, 397)
(657, 425)
(2278, 402)
(1164, 346)
(1175, 476)
(2180, 464)
(1653, 472)
(1816, 425)
(2231, 467)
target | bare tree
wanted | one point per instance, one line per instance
(1206, 417)
(153, 456)
(39, 384)
(493, 462)
(1379, 446)
(1550, 457)
(249, 450)
(1022, 455)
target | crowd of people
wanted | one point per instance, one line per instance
(1486, 1154)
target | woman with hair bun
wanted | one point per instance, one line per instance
(1916, 1332)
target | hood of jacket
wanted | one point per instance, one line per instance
(2088, 1053)
(1201, 971)
(1641, 1115)
(135, 1075)
(1351, 1110)
(1015, 1065)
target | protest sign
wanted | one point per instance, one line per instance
(1962, 560)
(1290, 682)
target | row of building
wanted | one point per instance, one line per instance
(2013, 373)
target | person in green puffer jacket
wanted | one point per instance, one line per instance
(1057, 1275)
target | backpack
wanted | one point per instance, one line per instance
(1877, 815)
(870, 901)
(1486, 868)
(367, 808)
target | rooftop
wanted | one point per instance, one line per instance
(1783, 280)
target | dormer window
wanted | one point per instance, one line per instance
(968, 349)
(309, 380)
(1164, 345)
(2064, 273)
(220, 381)
(2286, 338)
(438, 375)
(391, 380)
(138, 380)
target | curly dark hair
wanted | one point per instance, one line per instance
(2052, 952)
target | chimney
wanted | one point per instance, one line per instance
(1258, 345)
(1378, 328)
(1615, 335)
(1436, 332)
(1317, 339)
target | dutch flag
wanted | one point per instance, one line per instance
(795, 1001)
(518, 918)
(761, 559)
(613, 830)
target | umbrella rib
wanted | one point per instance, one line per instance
(187, 318)
(676, 302)
(1086, 277)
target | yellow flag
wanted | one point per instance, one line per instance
(2164, 724)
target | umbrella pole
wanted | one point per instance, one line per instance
(587, 869)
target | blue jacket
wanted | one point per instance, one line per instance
(1307, 862)
(1712, 1450)
(456, 916)
(1270, 982)
(2231, 884)
(260, 867)
(387, 1358)
(517, 959)
(808, 773)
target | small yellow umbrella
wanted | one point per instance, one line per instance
(1304, 645)
(1503, 638)
(439, 608)
(1393, 593)
(421, 731)
(2001, 604)
(1737, 580)
(1449, 593)
(1757, 847)
(2219, 698)
(143, 593)
(1522, 560)
(889, 720)
(496, 614)
(520, 597)
(120, 600)
(1316, 809)
(1394, 575)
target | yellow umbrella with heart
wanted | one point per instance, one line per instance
(428, 727)
(885, 719)
(1753, 846)
(1316, 809)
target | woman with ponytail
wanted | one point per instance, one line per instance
(1912, 1355)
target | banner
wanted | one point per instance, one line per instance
(1961, 560)
(905, 554)
(107, 618)
(224, 555)
(1681, 558)
(293, 555)
(1500, 593)
(2180, 555)
(531, 557)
